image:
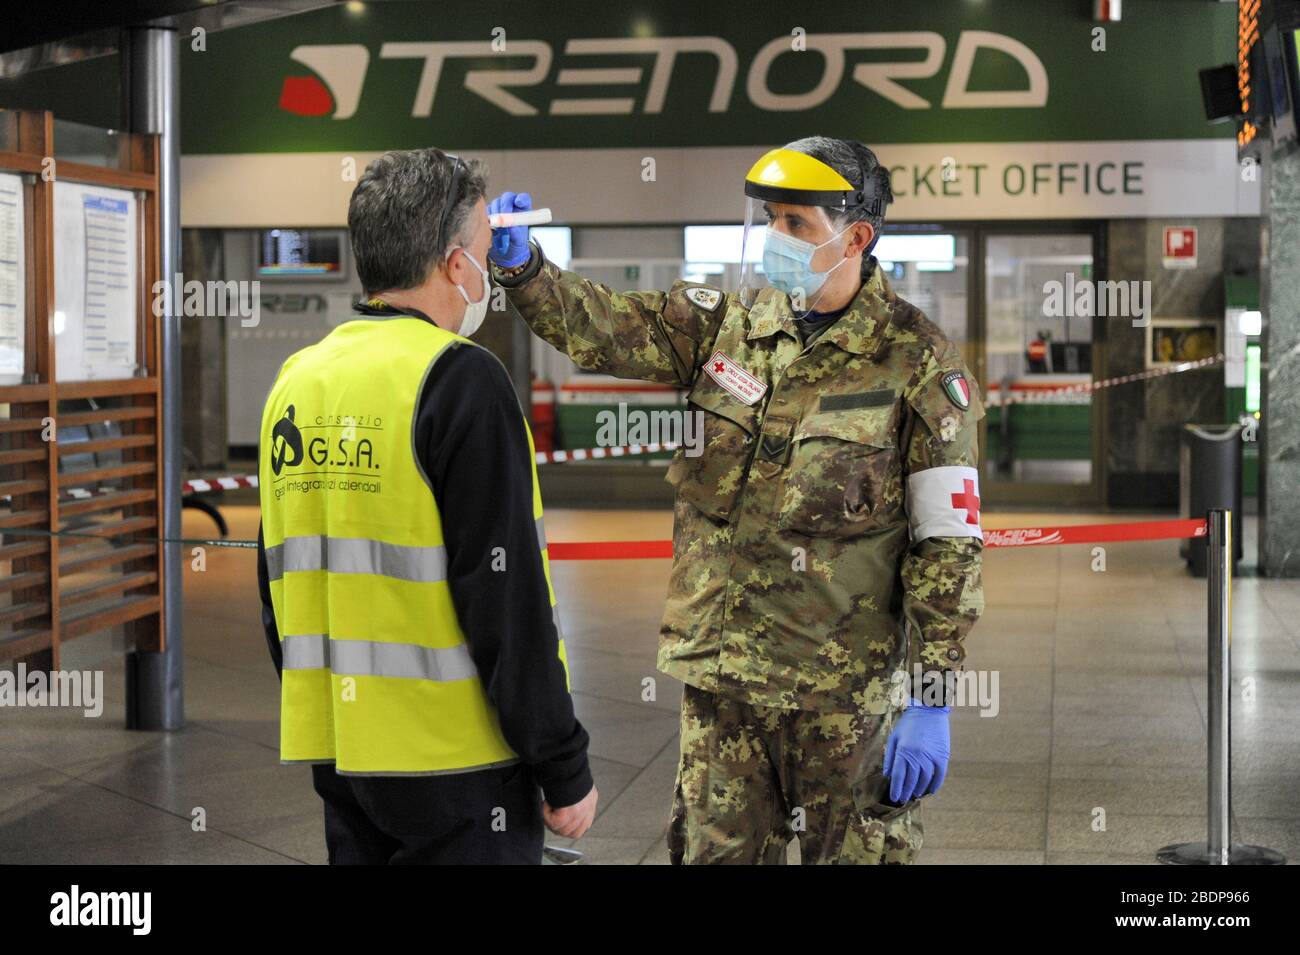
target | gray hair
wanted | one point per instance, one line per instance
(859, 165)
(395, 218)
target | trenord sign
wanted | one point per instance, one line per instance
(340, 72)
(509, 76)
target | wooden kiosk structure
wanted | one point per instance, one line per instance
(81, 460)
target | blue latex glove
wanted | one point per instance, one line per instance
(510, 246)
(916, 754)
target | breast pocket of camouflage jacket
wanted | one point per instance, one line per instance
(712, 474)
(844, 475)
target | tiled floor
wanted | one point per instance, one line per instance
(1102, 711)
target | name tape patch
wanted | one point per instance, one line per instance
(862, 399)
(734, 379)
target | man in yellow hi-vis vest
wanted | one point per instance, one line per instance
(402, 558)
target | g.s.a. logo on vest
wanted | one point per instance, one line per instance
(286, 443)
(341, 449)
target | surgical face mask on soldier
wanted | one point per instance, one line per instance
(787, 262)
(474, 311)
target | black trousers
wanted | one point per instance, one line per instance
(486, 817)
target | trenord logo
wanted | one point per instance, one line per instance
(339, 72)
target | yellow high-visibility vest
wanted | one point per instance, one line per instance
(377, 676)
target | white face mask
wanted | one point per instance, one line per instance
(475, 312)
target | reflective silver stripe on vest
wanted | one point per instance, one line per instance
(357, 555)
(541, 534)
(315, 651)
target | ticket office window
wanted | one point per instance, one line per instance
(1035, 346)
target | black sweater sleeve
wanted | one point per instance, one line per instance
(470, 440)
(268, 609)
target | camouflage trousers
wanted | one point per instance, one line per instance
(751, 778)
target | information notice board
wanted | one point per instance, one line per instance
(96, 259)
(13, 301)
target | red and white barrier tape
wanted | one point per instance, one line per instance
(195, 486)
(1090, 386)
(595, 454)
(219, 484)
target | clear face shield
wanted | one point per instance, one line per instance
(791, 248)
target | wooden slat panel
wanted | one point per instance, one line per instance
(22, 455)
(132, 412)
(22, 518)
(37, 393)
(118, 584)
(37, 137)
(76, 625)
(96, 445)
(30, 578)
(25, 549)
(21, 424)
(20, 162)
(24, 643)
(118, 555)
(78, 478)
(106, 389)
(140, 154)
(103, 176)
(37, 563)
(29, 486)
(93, 532)
(105, 502)
(23, 611)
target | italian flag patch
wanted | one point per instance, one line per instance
(955, 387)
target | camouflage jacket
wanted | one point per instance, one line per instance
(795, 580)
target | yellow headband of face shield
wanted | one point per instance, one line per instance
(795, 178)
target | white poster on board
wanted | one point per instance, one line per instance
(13, 277)
(95, 295)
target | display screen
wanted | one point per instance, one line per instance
(300, 252)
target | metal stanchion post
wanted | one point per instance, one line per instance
(1218, 848)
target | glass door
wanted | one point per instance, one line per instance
(1039, 444)
(929, 266)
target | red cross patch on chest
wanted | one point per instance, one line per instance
(734, 379)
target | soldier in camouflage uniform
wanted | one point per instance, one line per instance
(825, 540)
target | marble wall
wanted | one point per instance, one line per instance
(1279, 530)
(1143, 420)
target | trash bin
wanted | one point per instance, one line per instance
(1209, 477)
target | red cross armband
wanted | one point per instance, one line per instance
(944, 502)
